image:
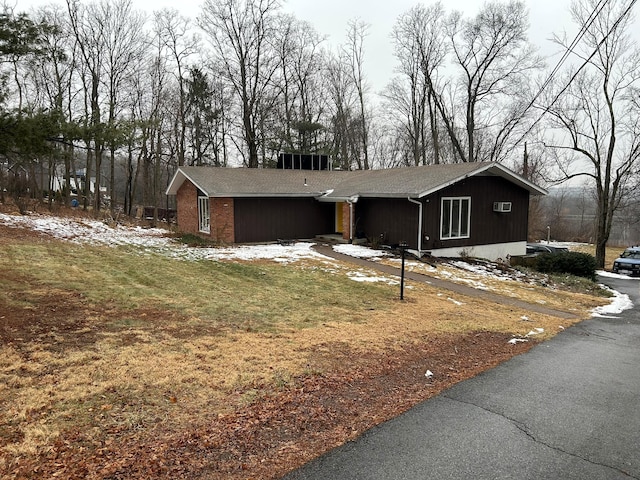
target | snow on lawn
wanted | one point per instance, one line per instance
(87, 231)
(369, 277)
(359, 251)
(476, 275)
(620, 301)
(95, 232)
(156, 240)
(457, 271)
(277, 253)
(473, 275)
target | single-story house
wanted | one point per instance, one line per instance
(479, 209)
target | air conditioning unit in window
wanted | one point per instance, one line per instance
(502, 207)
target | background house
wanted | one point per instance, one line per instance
(446, 210)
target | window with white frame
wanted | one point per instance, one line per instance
(455, 217)
(204, 224)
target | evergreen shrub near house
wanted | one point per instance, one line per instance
(573, 263)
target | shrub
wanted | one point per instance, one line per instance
(192, 240)
(573, 263)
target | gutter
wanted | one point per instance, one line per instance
(419, 224)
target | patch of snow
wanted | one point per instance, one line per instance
(619, 303)
(358, 251)
(455, 302)
(275, 252)
(604, 273)
(360, 276)
(487, 269)
(535, 331)
(94, 232)
(88, 231)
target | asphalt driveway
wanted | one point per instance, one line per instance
(567, 409)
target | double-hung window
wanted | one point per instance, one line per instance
(455, 217)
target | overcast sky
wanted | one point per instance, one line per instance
(331, 17)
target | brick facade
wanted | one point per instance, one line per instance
(222, 220)
(220, 210)
(346, 220)
(187, 208)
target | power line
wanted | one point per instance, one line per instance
(582, 32)
(568, 51)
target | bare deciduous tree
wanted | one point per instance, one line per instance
(240, 32)
(496, 61)
(420, 47)
(345, 126)
(125, 45)
(88, 28)
(353, 55)
(597, 118)
(300, 86)
(173, 29)
(480, 100)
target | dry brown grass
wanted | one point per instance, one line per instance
(110, 342)
(538, 289)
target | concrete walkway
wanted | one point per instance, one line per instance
(328, 251)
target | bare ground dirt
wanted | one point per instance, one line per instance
(277, 432)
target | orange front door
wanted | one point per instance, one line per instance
(339, 217)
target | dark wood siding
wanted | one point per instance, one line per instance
(269, 219)
(387, 220)
(487, 227)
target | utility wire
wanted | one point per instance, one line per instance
(569, 50)
(584, 64)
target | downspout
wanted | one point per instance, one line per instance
(419, 224)
(351, 201)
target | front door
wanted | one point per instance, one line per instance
(339, 217)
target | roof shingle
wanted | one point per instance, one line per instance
(335, 185)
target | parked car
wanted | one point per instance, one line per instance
(629, 262)
(538, 248)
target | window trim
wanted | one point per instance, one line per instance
(461, 220)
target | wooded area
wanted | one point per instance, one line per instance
(100, 102)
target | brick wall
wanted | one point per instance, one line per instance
(187, 208)
(346, 220)
(220, 210)
(222, 220)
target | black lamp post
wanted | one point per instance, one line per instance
(403, 248)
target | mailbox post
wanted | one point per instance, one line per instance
(403, 248)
